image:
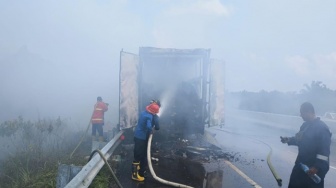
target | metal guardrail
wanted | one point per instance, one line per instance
(91, 169)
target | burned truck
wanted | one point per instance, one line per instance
(189, 84)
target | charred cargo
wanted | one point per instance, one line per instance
(188, 82)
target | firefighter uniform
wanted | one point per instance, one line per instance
(313, 141)
(97, 119)
(147, 120)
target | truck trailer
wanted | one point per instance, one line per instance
(189, 84)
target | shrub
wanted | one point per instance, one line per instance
(36, 150)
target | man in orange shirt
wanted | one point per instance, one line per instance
(97, 119)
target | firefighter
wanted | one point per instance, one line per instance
(97, 119)
(147, 121)
(313, 141)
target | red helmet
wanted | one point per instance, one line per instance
(153, 108)
(156, 101)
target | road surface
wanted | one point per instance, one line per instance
(249, 144)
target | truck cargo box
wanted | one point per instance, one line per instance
(189, 84)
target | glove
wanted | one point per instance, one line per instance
(284, 139)
(312, 171)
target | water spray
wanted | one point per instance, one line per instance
(166, 98)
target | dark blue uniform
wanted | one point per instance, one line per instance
(145, 125)
(141, 134)
(313, 141)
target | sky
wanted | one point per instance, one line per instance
(56, 57)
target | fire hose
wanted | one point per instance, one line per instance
(152, 170)
(84, 134)
(109, 167)
(276, 176)
(81, 140)
(269, 163)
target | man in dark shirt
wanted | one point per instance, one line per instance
(313, 141)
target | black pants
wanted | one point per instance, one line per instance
(299, 179)
(97, 127)
(140, 154)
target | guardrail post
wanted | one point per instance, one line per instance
(84, 178)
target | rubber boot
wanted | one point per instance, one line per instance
(144, 174)
(135, 172)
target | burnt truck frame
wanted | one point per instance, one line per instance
(189, 84)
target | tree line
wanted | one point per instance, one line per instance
(322, 97)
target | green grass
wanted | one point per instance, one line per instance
(39, 148)
(102, 179)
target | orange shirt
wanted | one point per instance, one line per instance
(98, 114)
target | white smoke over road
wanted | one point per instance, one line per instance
(56, 57)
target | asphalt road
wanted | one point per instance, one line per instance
(249, 144)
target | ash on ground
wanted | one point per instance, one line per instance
(190, 160)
